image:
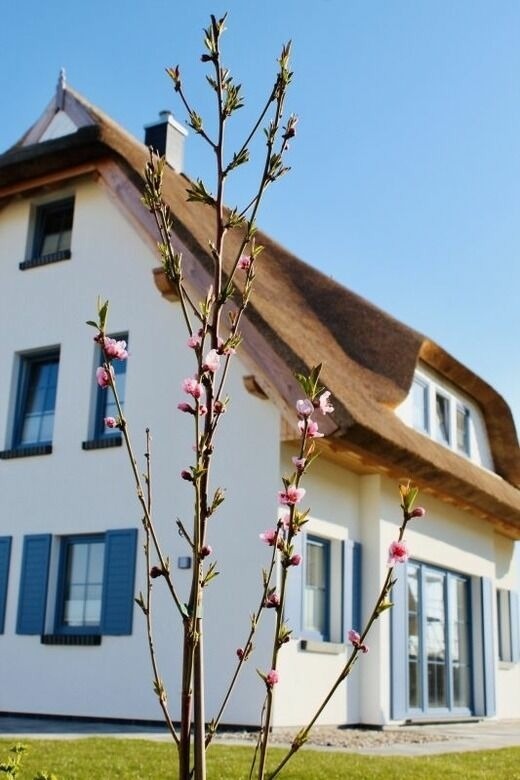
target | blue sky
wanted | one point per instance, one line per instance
(406, 169)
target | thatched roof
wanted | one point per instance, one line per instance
(306, 317)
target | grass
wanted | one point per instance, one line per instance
(110, 759)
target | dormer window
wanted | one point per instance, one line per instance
(52, 234)
(440, 410)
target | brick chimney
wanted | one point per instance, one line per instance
(167, 138)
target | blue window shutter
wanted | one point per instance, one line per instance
(5, 554)
(351, 578)
(398, 644)
(118, 582)
(32, 599)
(294, 591)
(514, 608)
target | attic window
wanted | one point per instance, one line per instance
(52, 234)
(438, 411)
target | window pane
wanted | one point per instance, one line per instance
(316, 598)
(459, 641)
(442, 412)
(53, 228)
(105, 404)
(39, 384)
(435, 638)
(420, 405)
(414, 669)
(83, 584)
(463, 429)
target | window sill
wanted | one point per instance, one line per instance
(71, 639)
(102, 444)
(506, 664)
(36, 262)
(26, 452)
(325, 648)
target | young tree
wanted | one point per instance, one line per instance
(214, 336)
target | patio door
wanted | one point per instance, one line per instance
(439, 658)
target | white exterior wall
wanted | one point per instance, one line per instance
(305, 676)
(74, 491)
(508, 674)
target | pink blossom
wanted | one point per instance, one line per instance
(269, 537)
(355, 640)
(397, 553)
(211, 361)
(299, 463)
(324, 405)
(294, 560)
(103, 376)
(184, 407)
(272, 601)
(187, 475)
(110, 422)
(419, 511)
(205, 550)
(304, 407)
(291, 496)
(219, 407)
(203, 409)
(312, 431)
(194, 341)
(115, 349)
(223, 348)
(192, 387)
(286, 520)
(272, 678)
(244, 263)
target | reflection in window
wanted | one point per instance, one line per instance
(317, 586)
(420, 405)
(82, 583)
(462, 416)
(439, 672)
(53, 229)
(36, 400)
(442, 416)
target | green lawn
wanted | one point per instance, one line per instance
(108, 759)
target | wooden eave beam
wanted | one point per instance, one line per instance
(47, 181)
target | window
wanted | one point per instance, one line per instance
(443, 414)
(462, 426)
(420, 407)
(36, 401)
(439, 668)
(317, 587)
(508, 619)
(81, 584)
(105, 405)
(94, 594)
(442, 418)
(52, 234)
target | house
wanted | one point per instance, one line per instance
(72, 640)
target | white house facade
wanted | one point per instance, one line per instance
(71, 229)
